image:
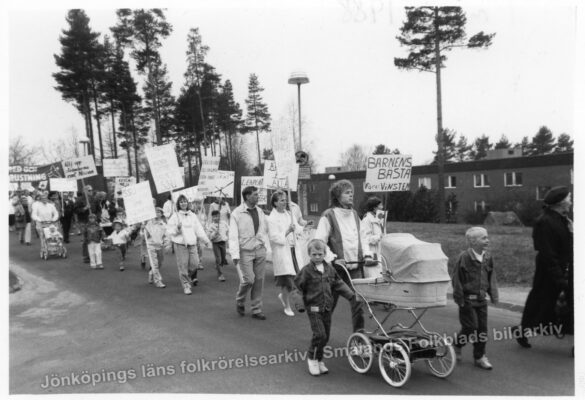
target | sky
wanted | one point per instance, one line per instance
(356, 95)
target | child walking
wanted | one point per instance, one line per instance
(93, 234)
(317, 282)
(120, 238)
(155, 234)
(474, 278)
(218, 234)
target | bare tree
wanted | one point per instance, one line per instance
(354, 158)
(62, 149)
(21, 153)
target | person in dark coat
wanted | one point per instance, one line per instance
(67, 217)
(553, 240)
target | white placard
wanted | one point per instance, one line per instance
(190, 193)
(209, 165)
(138, 203)
(122, 182)
(164, 168)
(78, 168)
(257, 181)
(283, 147)
(273, 180)
(115, 167)
(63, 185)
(219, 184)
(388, 173)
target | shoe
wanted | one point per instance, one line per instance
(314, 367)
(195, 282)
(259, 316)
(522, 340)
(160, 285)
(100, 266)
(187, 290)
(240, 309)
(221, 278)
(289, 312)
(458, 356)
(92, 267)
(21, 241)
(300, 308)
(483, 363)
(143, 264)
(28, 243)
(150, 279)
(322, 368)
(121, 268)
(281, 300)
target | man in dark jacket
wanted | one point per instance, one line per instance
(68, 209)
(553, 240)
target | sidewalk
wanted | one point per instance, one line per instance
(512, 298)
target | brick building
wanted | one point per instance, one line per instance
(485, 185)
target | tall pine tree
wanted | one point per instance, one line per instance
(258, 117)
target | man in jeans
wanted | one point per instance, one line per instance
(247, 237)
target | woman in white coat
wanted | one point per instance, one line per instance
(371, 229)
(281, 231)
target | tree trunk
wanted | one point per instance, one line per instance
(113, 114)
(88, 124)
(155, 106)
(135, 149)
(257, 133)
(202, 123)
(227, 136)
(440, 136)
(97, 120)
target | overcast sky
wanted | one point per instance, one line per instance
(526, 79)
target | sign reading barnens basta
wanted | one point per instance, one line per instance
(388, 173)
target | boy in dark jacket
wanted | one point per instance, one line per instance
(93, 235)
(473, 279)
(318, 281)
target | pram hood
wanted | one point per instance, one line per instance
(412, 260)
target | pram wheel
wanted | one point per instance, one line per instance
(394, 364)
(360, 352)
(443, 364)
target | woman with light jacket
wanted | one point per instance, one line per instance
(281, 231)
(372, 230)
(185, 231)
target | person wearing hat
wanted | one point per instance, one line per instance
(553, 240)
(339, 228)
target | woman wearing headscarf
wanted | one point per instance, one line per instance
(553, 240)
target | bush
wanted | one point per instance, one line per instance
(422, 207)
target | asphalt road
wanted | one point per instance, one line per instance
(70, 325)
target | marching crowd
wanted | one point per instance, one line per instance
(339, 248)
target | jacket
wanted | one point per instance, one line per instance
(217, 232)
(241, 235)
(318, 288)
(472, 279)
(191, 230)
(371, 231)
(278, 224)
(93, 233)
(155, 232)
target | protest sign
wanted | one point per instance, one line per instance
(283, 147)
(190, 193)
(272, 179)
(388, 173)
(79, 168)
(34, 173)
(122, 182)
(257, 181)
(115, 167)
(63, 185)
(164, 167)
(219, 184)
(209, 165)
(138, 203)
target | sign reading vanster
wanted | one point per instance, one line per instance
(388, 173)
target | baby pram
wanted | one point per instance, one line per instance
(413, 278)
(52, 240)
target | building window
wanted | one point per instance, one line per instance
(481, 180)
(426, 182)
(513, 179)
(541, 191)
(314, 207)
(451, 182)
(480, 206)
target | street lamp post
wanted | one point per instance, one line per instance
(85, 141)
(298, 78)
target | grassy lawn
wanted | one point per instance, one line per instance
(511, 247)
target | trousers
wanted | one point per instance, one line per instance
(251, 268)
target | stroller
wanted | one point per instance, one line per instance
(52, 243)
(412, 277)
